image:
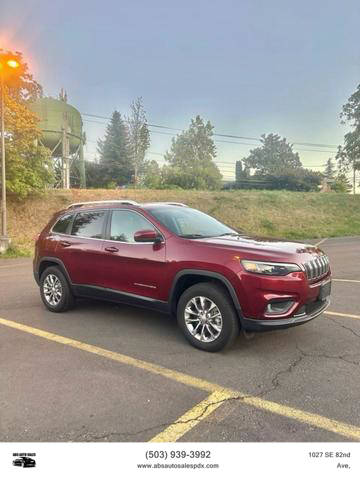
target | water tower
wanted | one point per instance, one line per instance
(62, 133)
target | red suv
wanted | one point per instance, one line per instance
(176, 259)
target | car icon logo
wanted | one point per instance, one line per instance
(24, 462)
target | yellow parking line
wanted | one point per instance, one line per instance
(192, 417)
(337, 314)
(345, 280)
(118, 357)
(340, 428)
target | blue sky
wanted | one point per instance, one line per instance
(250, 67)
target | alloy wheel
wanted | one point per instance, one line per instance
(203, 319)
(52, 289)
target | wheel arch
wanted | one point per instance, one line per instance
(46, 262)
(188, 277)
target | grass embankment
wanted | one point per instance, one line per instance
(289, 215)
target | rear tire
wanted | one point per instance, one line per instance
(207, 318)
(55, 290)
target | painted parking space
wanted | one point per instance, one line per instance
(219, 394)
(310, 370)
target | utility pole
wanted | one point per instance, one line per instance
(4, 240)
(9, 66)
(354, 178)
(65, 154)
(82, 164)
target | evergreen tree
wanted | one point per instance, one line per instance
(339, 181)
(330, 171)
(191, 158)
(114, 153)
(341, 184)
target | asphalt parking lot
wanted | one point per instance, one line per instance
(106, 372)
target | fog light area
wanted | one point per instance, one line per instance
(279, 307)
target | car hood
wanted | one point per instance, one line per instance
(263, 245)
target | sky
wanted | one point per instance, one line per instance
(250, 67)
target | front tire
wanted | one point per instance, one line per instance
(55, 290)
(207, 317)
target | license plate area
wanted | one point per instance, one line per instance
(325, 291)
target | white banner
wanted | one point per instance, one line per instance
(115, 461)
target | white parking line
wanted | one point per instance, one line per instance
(321, 241)
(337, 314)
(12, 265)
(345, 280)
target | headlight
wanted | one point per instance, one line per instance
(270, 268)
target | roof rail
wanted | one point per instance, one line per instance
(99, 202)
(177, 204)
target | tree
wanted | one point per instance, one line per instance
(139, 137)
(339, 181)
(297, 179)
(22, 88)
(28, 163)
(114, 153)
(329, 172)
(242, 173)
(191, 158)
(152, 175)
(348, 156)
(274, 154)
(341, 184)
(276, 166)
(94, 175)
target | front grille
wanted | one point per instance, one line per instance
(317, 268)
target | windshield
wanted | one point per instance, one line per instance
(189, 223)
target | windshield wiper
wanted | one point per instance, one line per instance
(199, 235)
(193, 235)
(232, 234)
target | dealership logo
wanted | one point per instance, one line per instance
(24, 460)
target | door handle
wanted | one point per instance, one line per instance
(64, 243)
(111, 249)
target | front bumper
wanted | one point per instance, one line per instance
(258, 325)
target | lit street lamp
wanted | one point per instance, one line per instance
(7, 65)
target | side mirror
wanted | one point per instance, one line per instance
(150, 236)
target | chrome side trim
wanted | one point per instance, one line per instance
(143, 285)
(102, 239)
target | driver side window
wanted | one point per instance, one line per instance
(124, 224)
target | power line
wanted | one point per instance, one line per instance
(218, 161)
(233, 143)
(308, 144)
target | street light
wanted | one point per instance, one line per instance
(7, 66)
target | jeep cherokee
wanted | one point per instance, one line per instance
(170, 257)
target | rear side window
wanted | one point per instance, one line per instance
(62, 225)
(89, 224)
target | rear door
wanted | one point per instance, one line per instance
(81, 249)
(129, 266)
